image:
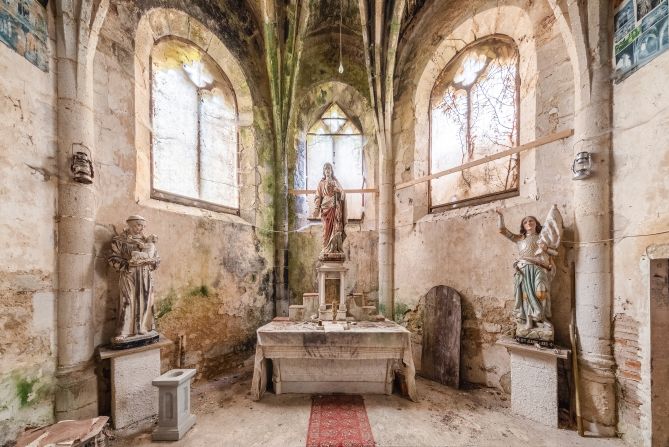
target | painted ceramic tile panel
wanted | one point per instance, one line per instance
(23, 28)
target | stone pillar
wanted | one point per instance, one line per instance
(76, 391)
(592, 219)
(386, 233)
(321, 290)
(341, 310)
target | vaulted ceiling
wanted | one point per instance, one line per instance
(326, 15)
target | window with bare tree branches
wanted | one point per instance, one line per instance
(474, 114)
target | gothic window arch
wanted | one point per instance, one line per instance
(336, 139)
(474, 113)
(194, 118)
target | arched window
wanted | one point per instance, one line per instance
(334, 138)
(474, 114)
(194, 148)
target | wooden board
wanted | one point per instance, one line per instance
(442, 321)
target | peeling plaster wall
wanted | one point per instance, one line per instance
(640, 192)
(214, 286)
(28, 196)
(461, 248)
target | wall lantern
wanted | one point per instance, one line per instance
(582, 166)
(82, 167)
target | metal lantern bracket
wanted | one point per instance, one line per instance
(81, 165)
(582, 166)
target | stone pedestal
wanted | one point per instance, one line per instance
(337, 271)
(134, 401)
(534, 381)
(174, 416)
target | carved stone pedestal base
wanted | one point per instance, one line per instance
(336, 271)
(542, 334)
(134, 341)
(341, 313)
(534, 381)
(175, 418)
(325, 313)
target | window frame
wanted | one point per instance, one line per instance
(179, 199)
(362, 156)
(490, 197)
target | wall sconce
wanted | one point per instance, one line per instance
(82, 166)
(582, 166)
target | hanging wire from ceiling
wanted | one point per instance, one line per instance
(341, 65)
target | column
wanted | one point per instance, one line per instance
(77, 23)
(341, 311)
(321, 289)
(592, 219)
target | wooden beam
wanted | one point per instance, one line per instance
(523, 147)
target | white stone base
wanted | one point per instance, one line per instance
(173, 433)
(325, 314)
(134, 400)
(534, 381)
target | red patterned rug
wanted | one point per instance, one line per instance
(339, 421)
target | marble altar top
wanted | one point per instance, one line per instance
(360, 333)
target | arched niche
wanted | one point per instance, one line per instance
(412, 136)
(160, 23)
(311, 106)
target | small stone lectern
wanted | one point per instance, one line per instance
(329, 271)
(174, 416)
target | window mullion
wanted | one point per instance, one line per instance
(199, 143)
(470, 146)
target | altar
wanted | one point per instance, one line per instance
(334, 357)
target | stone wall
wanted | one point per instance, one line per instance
(215, 284)
(28, 196)
(461, 248)
(215, 281)
(640, 220)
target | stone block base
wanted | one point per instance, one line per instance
(326, 314)
(296, 312)
(134, 401)
(534, 381)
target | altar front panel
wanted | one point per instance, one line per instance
(337, 357)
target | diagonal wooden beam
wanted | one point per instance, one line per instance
(515, 150)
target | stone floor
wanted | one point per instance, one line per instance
(226, 416)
